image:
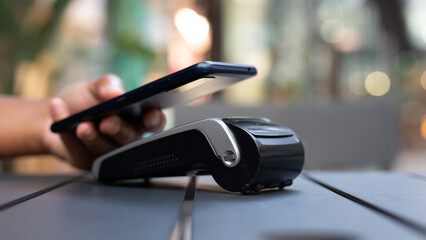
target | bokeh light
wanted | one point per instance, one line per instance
(351, 41)
(333, 31)
(377, 83)
(193, 27)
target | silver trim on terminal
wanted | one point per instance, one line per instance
(216, 131)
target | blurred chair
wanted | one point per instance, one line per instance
(335, 135)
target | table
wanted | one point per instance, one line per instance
(319, 205)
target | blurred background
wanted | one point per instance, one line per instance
(348, 76)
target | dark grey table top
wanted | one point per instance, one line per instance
(319, 205)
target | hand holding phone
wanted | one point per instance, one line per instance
(91, 139)
(177, 88)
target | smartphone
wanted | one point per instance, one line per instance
(178, 88)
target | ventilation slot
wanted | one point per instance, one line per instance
(165, 161)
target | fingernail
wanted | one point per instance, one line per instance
(57, 110)
(114, 85)
(115, 82)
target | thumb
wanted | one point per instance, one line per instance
(58, 109)
(106, 87)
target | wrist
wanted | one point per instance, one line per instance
(41, 131)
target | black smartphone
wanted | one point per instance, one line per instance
(177, 88)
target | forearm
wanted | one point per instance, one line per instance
(21, 125)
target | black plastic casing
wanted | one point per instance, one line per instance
(271, 156)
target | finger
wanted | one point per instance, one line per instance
(154, 120)
(119, 131)
(106, 87)
(95, 142)
(78, 156)
(58, 109)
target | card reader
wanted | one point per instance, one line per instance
(242, 154)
